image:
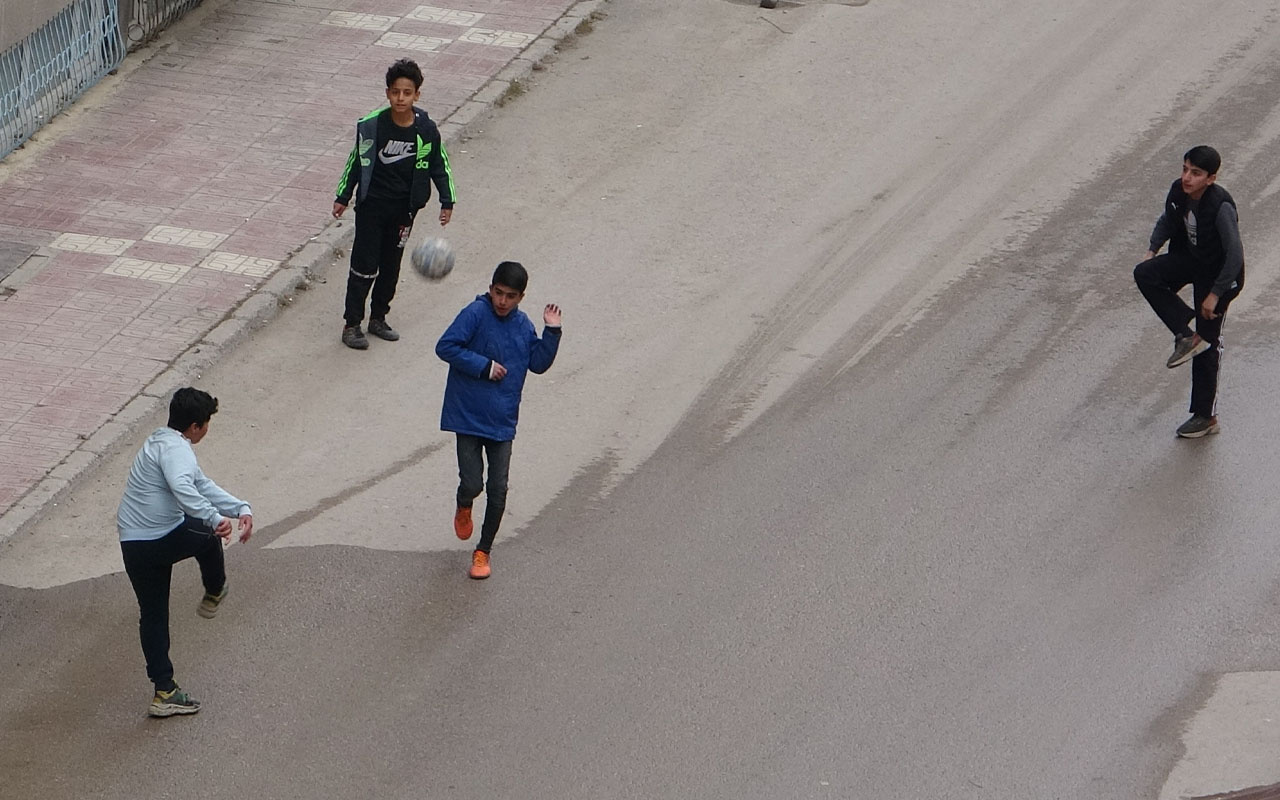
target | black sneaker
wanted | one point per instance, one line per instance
(353, 337)
(208, 607)
(1186, 348)
(380, 328)
(166, 704)
(1198, 426)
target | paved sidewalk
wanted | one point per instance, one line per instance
(168, 212)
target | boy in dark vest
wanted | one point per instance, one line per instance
(398, 155)
(1202, 228)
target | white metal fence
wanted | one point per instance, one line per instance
(45, 73)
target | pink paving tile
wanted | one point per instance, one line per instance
(9, 495)
(108, 316)
(113, 228)
(57, 278)
(105, 399)
(84, 378)
(166, 253)
(78, 262)
(131, 192)
(125, 287)
(292, 233)
(44, 219)
(128, 307)
(253, 175)
(21, 377)
(34, 294)
(51, 200)
(237, 189)
(304, 220)
(194, 169)
(35, 445)
(259, 247)
(40, 354)
(146, 347)
(11, 410)
(324, 181)
(89, 338)
(14, 330)
(77, 420)
(221, 204)
(118, 365)
(205, 220)
(205, 297)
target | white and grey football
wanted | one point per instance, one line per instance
(433, 259)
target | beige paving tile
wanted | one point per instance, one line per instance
(405, 41)
(497, 38)
(186, 237)
(446, 16)
(364, 22)
(83, 243)
(146, 270)
(237, 264)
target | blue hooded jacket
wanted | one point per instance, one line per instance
(473, 404)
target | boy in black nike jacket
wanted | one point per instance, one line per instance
(397, 156)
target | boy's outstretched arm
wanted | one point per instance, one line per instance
(543, 353)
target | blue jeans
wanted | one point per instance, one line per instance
(472, 451)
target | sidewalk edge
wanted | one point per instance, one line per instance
(305, 264)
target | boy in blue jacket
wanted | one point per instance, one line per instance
(490, 347)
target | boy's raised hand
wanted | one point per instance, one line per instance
(551, 315)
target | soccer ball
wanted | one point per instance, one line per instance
(433, 259)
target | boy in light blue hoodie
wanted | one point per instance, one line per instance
(171, 512)
(490, 347)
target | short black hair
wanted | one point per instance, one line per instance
(189, 407)
(511, 274)
(1204, 157)
(405, 68)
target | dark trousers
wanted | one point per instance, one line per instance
(472, 451)
(1160, 279)
(149, 566)
(382, 229)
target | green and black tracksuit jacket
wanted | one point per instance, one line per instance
(431, 165)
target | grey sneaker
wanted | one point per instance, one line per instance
(380, 328)
(208, 607)
(166, 704)
(353, 337)
(1186, 348)
(1198, 426)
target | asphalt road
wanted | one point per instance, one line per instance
(856, 477)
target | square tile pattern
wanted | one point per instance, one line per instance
(185, 237)
(99, 245)
(146, 270)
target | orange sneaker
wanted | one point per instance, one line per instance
(480, 565)
(462, 522)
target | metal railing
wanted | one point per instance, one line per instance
(144, 19)
(47, 71)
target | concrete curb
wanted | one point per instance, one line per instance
(308, 262)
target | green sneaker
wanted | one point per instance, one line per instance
(209, 603)
(166, 704)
